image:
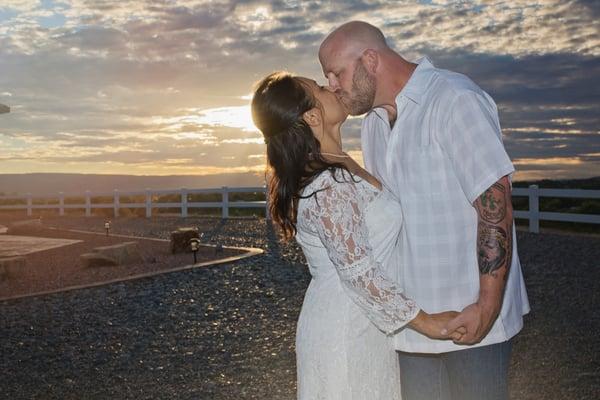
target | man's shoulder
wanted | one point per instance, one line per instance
(450, 85)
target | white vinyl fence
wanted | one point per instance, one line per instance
(534, 215)
(184, 205)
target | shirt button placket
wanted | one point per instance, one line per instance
(392, 144)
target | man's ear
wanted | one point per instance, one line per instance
(312, 117)
(370, 60)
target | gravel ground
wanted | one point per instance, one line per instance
(227, 332)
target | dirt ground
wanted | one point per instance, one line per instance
(60, 267)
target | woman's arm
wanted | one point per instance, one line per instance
(340, 224)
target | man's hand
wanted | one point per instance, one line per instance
(476, 319)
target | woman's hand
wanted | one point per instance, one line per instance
(432, 325)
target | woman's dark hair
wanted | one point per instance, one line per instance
(293, 153)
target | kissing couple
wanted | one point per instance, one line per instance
(416, 286)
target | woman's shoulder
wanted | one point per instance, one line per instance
(323, 195)
(330, 180)
(331, 188)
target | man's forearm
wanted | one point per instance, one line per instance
(494, 242)
(494, 255)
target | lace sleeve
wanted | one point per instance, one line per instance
(339, 221)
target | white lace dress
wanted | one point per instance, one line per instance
(349, 232)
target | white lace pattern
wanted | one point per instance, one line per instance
(337, 214)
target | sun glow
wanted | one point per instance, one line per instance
(237, 117)
(233, 117)
(548, 161)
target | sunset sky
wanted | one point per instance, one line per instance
(162, 87)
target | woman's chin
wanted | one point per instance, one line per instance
(343, 112)
(341, 118)
(345, 109)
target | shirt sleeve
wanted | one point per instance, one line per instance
(472, 139)
(338, 218)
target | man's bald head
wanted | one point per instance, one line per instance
(360, 67)
(362, 70)
(352, 37)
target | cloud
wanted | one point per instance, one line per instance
(19, 5)
(134, 84)
(95, 38)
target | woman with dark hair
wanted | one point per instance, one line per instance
(347, 224)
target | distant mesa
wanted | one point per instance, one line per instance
(42, 184)
(4, 109)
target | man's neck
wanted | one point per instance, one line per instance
(393, 80)
(392, 113)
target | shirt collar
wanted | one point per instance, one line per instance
(417, 82)
(381, 113)
(413, 89)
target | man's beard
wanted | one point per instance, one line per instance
(362, 95)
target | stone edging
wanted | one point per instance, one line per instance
(249, 252)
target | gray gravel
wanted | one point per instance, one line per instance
(227, 332)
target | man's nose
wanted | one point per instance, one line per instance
(333, 83)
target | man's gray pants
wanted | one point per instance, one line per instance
(479, 373)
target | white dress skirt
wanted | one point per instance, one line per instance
(348, 230)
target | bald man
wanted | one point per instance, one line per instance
(433, 137)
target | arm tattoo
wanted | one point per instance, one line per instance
(493, 248)
(493, 203)
(494, 230)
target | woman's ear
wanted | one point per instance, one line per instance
(312, 117)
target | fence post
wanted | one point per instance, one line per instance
(267, 212)
(88, 203)
(534, 209)
(225, 203)
(148, 203)
(116, 203)
(61, 203)
(184, 203)
(29, 205)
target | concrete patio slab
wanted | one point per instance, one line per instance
(11, 246)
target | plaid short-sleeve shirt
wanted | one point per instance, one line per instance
(444, 150)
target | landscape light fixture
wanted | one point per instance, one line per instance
(195, 246)
(107, 227)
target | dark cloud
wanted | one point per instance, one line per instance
(593, 6)
(547, 104)
(544, 87)
(95, 38)
(202, 18)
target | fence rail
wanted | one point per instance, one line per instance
(184, 204)
(534, 215)
(533, 192)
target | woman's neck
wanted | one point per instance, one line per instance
(332, 141)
